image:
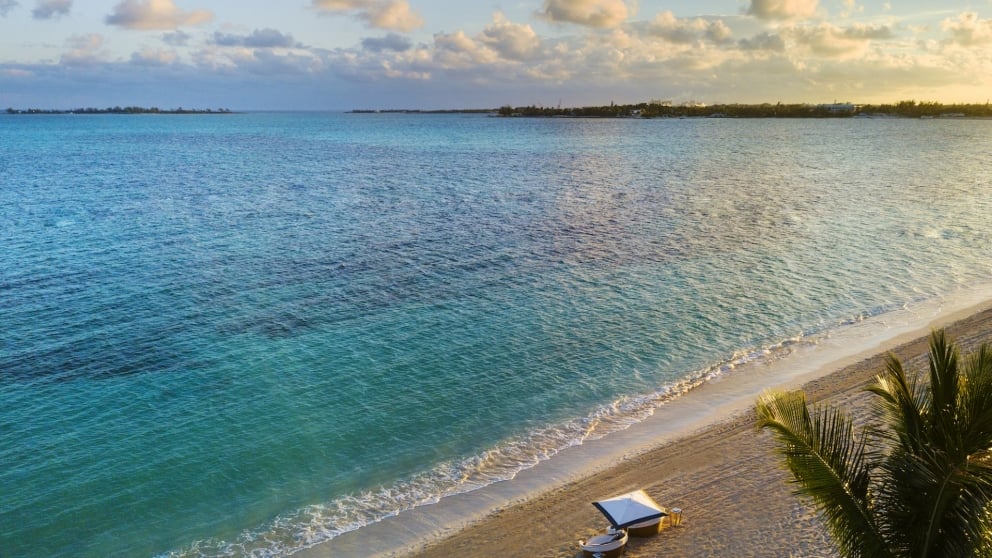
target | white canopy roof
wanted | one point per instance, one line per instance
(628, 509)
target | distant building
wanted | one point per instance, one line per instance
(840, 108)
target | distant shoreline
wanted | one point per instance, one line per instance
(667, 109)
(120, 110)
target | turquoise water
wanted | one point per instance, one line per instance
(244, 334)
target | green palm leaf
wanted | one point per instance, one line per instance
(830, 466)
(916, 484)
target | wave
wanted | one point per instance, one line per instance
(315, 524)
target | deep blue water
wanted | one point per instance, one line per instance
(225, 334)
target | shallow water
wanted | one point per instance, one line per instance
(234, 334)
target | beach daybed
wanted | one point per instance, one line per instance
(635, 512)
(610, 545)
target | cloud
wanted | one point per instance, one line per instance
(6, 6)
(783, 9)
(968, 30)
(502, 44)
(676, 30)
(830, 41)
(259, 38)
(153, 58)
(176, 38)
(265, 62)
(48, 9)
(851, 7)
(512, 41)
(876, 32)
(16, 73)
(155, 14)
(763, 42)
(84, 50)
(394, 15)
(391, 42)
(382, 14)
(591, 13)
(459, 51)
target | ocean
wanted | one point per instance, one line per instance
(247, 334)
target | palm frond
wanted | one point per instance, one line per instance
(934, 493)
(830, 465)
(918, 483)
(901, 403)
(976, 402)
(944, 384)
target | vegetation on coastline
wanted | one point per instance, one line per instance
(662, 109)
(653, 109)
(916, 484)
(120, 110)
(419, 111)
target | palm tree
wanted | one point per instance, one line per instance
(917, 484)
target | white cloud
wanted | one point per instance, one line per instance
(591, 13)
(234, 60)
(267, 62)
(768, 55)
(783, 9)
(502, 44)
(683, 30)
(6, 6)
(155, 14)
(851, 7)
(829, 41)
(394, 15)
(459, 51)
(49, 9)
(968, 30)
(382, 14)
(512, 41)
(84, 50)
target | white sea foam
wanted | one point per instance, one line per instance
(218, 345)
(312, 525)
(309, 527)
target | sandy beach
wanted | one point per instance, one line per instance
(726, 478)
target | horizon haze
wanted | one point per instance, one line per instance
(428, 54)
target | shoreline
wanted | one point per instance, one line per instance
(735, 493)
(557, 491)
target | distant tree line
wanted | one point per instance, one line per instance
(910, 109)
(120, 110)
(421, 111)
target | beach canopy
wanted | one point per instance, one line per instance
(628, 509)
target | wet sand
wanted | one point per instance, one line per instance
(734, 492)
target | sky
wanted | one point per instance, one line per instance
(443, 54)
